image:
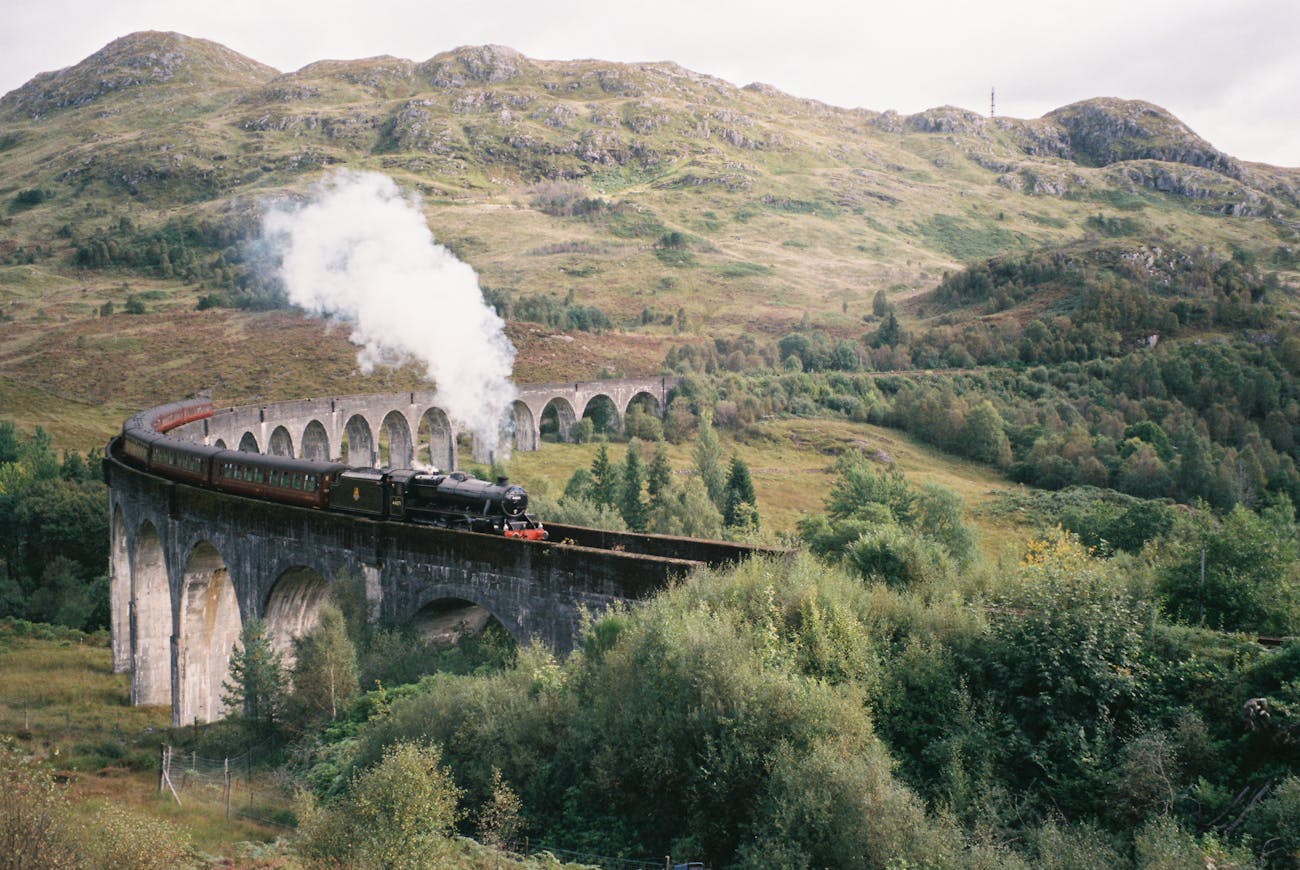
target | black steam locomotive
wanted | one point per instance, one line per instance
(454, 500)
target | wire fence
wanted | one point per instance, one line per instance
(264, 797)
(233, 781)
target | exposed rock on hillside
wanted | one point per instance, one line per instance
(484, 63)
(782, 205)
(1106, 131)
(137, 60)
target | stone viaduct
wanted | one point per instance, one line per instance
(405, 430)
(190, 565)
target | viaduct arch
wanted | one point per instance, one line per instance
(401, 429)
(189, 565)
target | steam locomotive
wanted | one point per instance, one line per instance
(455, 500)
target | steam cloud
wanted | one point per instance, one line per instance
(361, 251)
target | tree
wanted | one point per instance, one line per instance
(256, 687)
(858, 485)
(580, 484)
(1251, 575)
(658, 475)
(687, 510)
(499, 820)
(324, 670)
(984, 436)
(890, 332)
(708, 459)
(740, 505)
(604, 479)
(630, 503)
(61, 598)
(880, 304)
(680, 420)
(938, 515)
(397, 814)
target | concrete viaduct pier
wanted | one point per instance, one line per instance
(189, 565)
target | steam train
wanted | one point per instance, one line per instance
(455, 500)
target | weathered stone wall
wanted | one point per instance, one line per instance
(192, 565)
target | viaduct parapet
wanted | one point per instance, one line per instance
(190, 565)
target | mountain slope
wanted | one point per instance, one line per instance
(566, 177)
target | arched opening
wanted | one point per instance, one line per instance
(220, 444)
(151, 622)
(358, 448)
(293, 608)
(437, 440)
(468, 450)
(210, 626)
(448, 621)
(647, 402)
(521, 424)
(316, 442)
(642, 418)
(557, 420)
(395, 450)
(248, 443)
(603, 414)
(119, 594)
(281, 442)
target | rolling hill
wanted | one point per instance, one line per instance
(673, 202)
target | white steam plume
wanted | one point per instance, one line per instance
(361, 251)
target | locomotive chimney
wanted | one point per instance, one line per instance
(502, 480)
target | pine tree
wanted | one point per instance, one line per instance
(740, 505)
(324, 670)
(256, 687)
(605, 488)
(631, 505)
(658, 476)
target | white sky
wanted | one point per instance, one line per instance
(1230, 69)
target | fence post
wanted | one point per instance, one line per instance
(162, 764)
(225, 765)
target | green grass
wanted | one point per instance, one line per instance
(62, 702)
(963, 240)
(792, 462)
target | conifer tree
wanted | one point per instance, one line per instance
(658, 476)
(605, 488)
(256, 686)
(631, 505)
(740, 505)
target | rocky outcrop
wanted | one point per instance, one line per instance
(1106, 131)
(947, 119)
(137, 61)
(482, 63)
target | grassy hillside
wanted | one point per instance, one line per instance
(550, 177)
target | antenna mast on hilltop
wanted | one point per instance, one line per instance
(993, 102)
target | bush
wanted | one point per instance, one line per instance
(31, 196)
(1250, 580)
(397, 814)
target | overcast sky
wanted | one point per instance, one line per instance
(1230, 70)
